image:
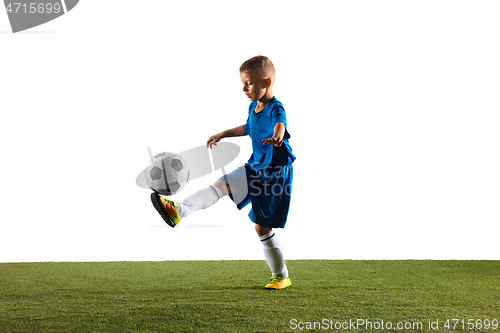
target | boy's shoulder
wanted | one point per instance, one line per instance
(278, 105)
(277, 108)
(273, 105)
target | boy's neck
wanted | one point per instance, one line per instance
(261, 103)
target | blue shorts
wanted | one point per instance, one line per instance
(268, 190)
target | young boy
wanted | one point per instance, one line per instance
(264, 181)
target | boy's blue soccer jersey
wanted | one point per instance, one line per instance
(268, 172)
(260, 126)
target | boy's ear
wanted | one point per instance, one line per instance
(268, 82)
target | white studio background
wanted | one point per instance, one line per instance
(393, 108)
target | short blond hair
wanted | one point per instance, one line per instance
(261, 64)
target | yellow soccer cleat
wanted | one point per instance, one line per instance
(278, 283)
(166, 208)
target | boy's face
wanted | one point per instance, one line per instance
(254, 86)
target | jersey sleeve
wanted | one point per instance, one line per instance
(278, 115)
(247, 125)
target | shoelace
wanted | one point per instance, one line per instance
(276, 279)
(171, 203)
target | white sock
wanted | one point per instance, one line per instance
(199, 200)
(273, 251)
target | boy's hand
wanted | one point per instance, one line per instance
(213, 139)
(275, 141)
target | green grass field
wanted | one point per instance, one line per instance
(227, 296)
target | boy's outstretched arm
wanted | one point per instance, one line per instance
(277, 139)
(237, 131)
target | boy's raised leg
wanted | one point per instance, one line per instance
(172, 212)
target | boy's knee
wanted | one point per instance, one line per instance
(223, 187)
(261, 230)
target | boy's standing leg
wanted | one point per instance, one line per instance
(273, 251)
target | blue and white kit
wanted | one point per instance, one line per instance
(266, 179)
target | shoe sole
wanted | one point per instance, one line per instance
(290, 286)
(155, 199)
